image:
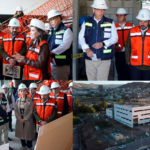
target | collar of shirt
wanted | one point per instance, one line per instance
(44, 102)
(56, 94)
(97, 20)
(32, 95)
(143, 31)
(122, 26)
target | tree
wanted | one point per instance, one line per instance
(77, 103)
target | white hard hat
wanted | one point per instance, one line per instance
(99, 4)
(1, 90)
(70, 84)
(14, 22)
(37, 23)
(22, 86)
(54, 85)
(33, 85)
(19, 8)
(44, 90)
(143, 14)
(53, 13)
(47, 26)
(5, 86)
(121, 11)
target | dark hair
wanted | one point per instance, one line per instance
(22, 14)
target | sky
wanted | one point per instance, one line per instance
(107, 82)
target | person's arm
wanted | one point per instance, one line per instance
(66, 106)
(66, 43)
(54, 114)
(30, 112)
(128, 49)
(24, 49)
(2, 52)
(17, 113)
(114, 36)
(36, 115)
(42, 58)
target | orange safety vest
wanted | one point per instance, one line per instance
(11, 49)
(122, 35)
(32, 73)
(28, 40)
(140, 49)
(60, 102)
(44, 112)
(69, 97)
(35, 98)
(1, 37)
(19, 95)
(23, 24)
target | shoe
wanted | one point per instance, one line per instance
(9, 139)
(10, 148)
(23, 148)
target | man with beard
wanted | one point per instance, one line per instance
(137, 51)
(13, 43)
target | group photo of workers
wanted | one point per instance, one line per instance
(114, 47)
(36, 49)
(25, 106)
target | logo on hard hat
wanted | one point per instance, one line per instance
(42, 91)
(22, 86)
(142, 15)
(14, 23)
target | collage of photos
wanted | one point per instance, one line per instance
(75, 75)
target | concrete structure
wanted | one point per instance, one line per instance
(109, 112)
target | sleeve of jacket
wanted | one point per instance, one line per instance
(66, 106)
(54, 114)
(24, 49)
(36, 115)
(2, 52)
(30, 112)
(17, 113)
(128, 49)
(42, 58)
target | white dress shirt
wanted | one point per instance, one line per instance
(112, 40)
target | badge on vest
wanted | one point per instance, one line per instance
(15, 73)
(107, 35)
(58, 42)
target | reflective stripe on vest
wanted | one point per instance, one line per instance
(136, 34)
(107, 51)
(69, 95)
(60, 32)
(7, 39)
(59, 112)
(2, 120)
(88, 24)
(33, 75)
(119, 28)
(106, 25)
(47, 104)
(56, 97)
(60, 56)
(134, 57)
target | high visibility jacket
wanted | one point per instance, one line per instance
(60, 102)
(122, 35)
(1, 37)
(44, 112)
(140, 48)
(35, 98)
(23, 24)
(69, 97)
(28, 40)
(12, 47)
(32, 73)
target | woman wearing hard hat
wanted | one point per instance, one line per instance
(24, 119)
(37, 60)
(22, 21)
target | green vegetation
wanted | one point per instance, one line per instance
(84, 108)
(76, 120)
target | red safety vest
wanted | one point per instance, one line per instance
(28, 40)
(140, 49)
(11, 49)
(60, 102)
(44, 113)
(69, 97)
(23, 24)
(35, 98)
(32, 73)
(122, 35)
(1, 37)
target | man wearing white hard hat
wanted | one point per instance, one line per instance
(60, 45)
(37, 60)
(97, 37)
(45, 109)
(12, 43)
(69, 96)
(60, 98)
(123, 29)
(137, 51)
(10, 103)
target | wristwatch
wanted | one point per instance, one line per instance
(39, 121)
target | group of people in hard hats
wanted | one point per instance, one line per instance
(100, 36)
(33, 109)
(43, 53)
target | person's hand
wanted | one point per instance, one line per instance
(11, 67)
(19, 58)
(98, 45)
(51, 52)
(22, 120)
(90, 53)
(1, 117)
(43, 123)
(12, 61)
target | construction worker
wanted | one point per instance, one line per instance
(69, 96)
(45, 109)
(28, 40)
(17, 95)
(123, 29)
(12, 43)
(24, 119)
(97, 37)
(1, 68)
(37, 60)
(22, 20)
(60, 98)
(60, 46)
(47, 28)
(12, 89)
(10, 104)
(137, 48)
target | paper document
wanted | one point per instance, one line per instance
(94, 58)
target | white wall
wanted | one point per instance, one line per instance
(109, 113)
(9, 6)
